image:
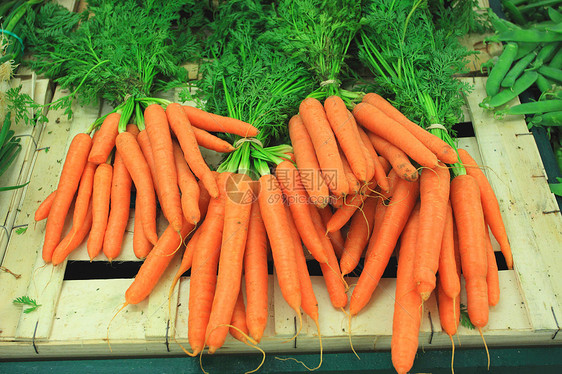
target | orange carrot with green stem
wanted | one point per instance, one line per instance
(444, 152)
(101, 196)
(209, 141)
(380, 124)
(73, 239)
(397, 158)
(141, 245)
(235, 233)
(137, 166)
(69, 180)
(448, 274)
(188, 186)
(318, 127)
(256, 276)
(43, 210)
(345, 129)
(277, 227)
(360, 230)
(490, 205)
(307, 163)
(158, 129)
(105, 139)
(119, 209)
(335, 236)
(382, 245)
(217, 123)
(407, 302)
(379, 172)
(331, 273)
(469, 219)
(181, 126)
(289, 178)
(434, 196)
(205, 262)
(84, 194)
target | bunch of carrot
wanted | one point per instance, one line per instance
(387, 179)
(159, 157)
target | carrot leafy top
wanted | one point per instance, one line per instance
(114, 49)
(249, 78)
(414, 62)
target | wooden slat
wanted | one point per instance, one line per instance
(20, 169)
(517, 175)
(46, 280)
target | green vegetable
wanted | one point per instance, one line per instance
(115, 50)
(547, 119)
(544, 84)
(556, 188)
(551, 72)
(516, 70)
(545, 54)
(500, 69)
(505, 96)
(536, 107)
(26, 301)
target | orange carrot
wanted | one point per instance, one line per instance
(308, 298)
(133, 129)
(469, 219)
(256, 276)
(105, 139)
(396, 216)
(181, 126)
(335, 236)
(490, 205)
(83, 197)
(166, 174)
(448, 275)
(282, 248)
(316, 123)
(101, 194)
(358, 236)
(492, 276)
(72, 170)
(156, 263)
(434, 196)
(209, 141)
(138, 168)
(442, 150)
(330, 271)
(217, 123)
(235, 233)
(188, 186)
(141, 245)
(407, 303)
(354, 183)
(119, 209)
(205, 261)
(238, 319)
(397, 158)
(379, 172)
(380, 124)
(290, 181)
(73, 239)
(187, 258)
(307, 163)
(380, 209)
(345, 129)
(43, 210)
(344, 214)
(146, 148)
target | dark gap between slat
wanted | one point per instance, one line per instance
(83, 270)
(463, 130)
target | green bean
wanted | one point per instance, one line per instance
(529, 35)
(505, 96)
(500, 69)
(536, 107)
(523, 49)
(544, 84)
(556, 61)
(517, 69)
(551, 72)
(554, 15)
(545, 54)
(557, 28)
(514, 12)
(547, 119)
(538, 4)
